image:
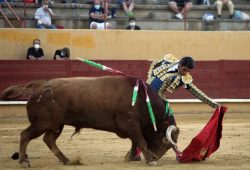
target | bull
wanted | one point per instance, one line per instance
(102, 103)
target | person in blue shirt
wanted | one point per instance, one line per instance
(97, 17)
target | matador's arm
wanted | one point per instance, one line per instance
(201, 96)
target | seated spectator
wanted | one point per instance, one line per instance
(97, 17)
(40, 2)
(228, 3)
(27, 1)
(43, 16)
(203, 2)
(132, 24)
(62, 54)
(35, 52)
(72, 2)
(184, 5)
(111, 14)
(127, 6)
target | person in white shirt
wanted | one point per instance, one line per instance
(43, 16)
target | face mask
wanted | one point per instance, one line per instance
(97, 6)
(63, 53)
(37, 46)
(45, 6)
(132, 24)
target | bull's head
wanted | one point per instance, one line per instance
(163, 141)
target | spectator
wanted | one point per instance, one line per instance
(43, 16)
(132, 24)
(26, 1)
(111, 14)
(219, 5)
(73, 2)
(62, 54)
(127, 6)
(203, 2)
(35, 52)
(97, 17)
(104, 5)
(39, 2)
(184, 5)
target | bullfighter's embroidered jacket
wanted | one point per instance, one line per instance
(163, 76)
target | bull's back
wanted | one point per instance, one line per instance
(93, 102)
(94, 90)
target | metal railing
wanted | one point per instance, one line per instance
(13, 12)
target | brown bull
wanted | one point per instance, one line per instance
(102, 103)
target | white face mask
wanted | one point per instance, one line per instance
(45, 6)
(98, 6)
(37, 46)
(63, 53)
(132, 24)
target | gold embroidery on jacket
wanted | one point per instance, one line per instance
(168, 76)
(163, 88)
(160, 69)
(161, 73)
(200, 95)
(169, 58)
(174, 84)
(187, 78)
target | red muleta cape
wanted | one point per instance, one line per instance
(207, 141)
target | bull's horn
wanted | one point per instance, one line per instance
(168, 134)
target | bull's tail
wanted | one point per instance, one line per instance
(77, 130)
(15, 92)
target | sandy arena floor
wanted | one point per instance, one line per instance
(101, 150)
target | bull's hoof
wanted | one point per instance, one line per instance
(25, 164)
(15, 156)
(130, 157)
(152, 163)
(74, 162)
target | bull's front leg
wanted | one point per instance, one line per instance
(149, 156)
(134, 154)
(134, 132)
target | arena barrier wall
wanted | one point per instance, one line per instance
(218, 79)
(227, 82)
(128, 45)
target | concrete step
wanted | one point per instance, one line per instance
(140, 11)
(140, 2)
(146, 24)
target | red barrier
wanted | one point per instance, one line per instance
(218, 79)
